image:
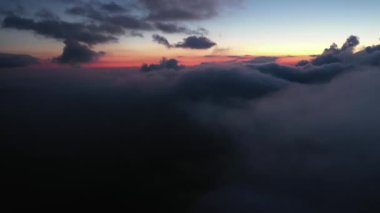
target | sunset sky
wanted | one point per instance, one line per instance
(238, 27)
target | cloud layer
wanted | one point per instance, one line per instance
(16, 60)
(232, 137)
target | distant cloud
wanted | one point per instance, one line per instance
(335, 54)
(165, 64)
(175, 28)
(191, 42)
(319, 74)
(162, 40)
(195, 42)
(75, 53)
(263, 60)
(15, 60)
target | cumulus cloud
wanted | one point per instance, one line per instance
(195, 42)
(335, 54)
(15, 60)
(191, 42)
(165, 64)
(75, 53)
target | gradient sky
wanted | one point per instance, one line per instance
(257, 27)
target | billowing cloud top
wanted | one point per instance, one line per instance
(235, 137)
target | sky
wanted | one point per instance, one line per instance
(237, 27)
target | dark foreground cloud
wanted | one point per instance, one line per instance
(215, 138)
(306, 149)
(75, 53)
(15, 60)
(115, 140)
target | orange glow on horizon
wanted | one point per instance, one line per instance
(191, 60)
(118, 62)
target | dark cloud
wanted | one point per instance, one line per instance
(89, 34)
(192, 42)
(165, 64)
(175, 10)
(114, 140)
(122, 21)
(335, 54)
(320, 74)
(162, 40)
(304, 149)
(11, 10)
(217, 138)
(113, 7)
(333, 62)
(344, 56)
(128, 22)
(47, 15)
(373, 49)
(195, 42)
(350, 43)
(15, 60)
(302, 63)
(75, 53)
(173, 28)
(263, 60)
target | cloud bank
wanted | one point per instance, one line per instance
(15, 60)
(232, 137)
